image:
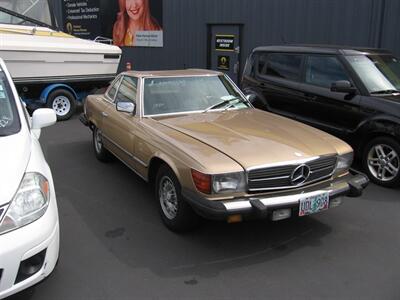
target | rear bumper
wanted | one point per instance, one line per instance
(263, 206)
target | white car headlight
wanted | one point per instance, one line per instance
(29, 203)
(344, 162)
(228, 183)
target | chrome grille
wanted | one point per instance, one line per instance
(273, 178)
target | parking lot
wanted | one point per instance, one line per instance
(114, 245)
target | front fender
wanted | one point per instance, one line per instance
(52, 87)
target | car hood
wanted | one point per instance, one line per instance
(14, 158)
(253, 137)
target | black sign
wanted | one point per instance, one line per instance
(224, 42)
(82, 18)
(223, 62)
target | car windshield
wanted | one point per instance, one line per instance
(9, 120)
(170, 95)
(379, 73)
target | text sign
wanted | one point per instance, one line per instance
(224, 42)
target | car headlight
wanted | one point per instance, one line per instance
(220, 183)
(344, 162)
(29, 203)
(228, 183)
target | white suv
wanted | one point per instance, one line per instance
(29, 228)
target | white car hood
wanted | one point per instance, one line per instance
(14, 157)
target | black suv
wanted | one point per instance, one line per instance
(352, 93)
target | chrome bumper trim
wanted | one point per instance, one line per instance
(334, 189)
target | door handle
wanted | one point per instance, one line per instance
(310, 97)
(104, 114)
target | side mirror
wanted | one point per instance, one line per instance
(43, 117)
(251, 98)
(127, 107)
(343, 86)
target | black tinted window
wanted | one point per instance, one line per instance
(127, 90)
(324, 70)
(262, 63)
(287, 66)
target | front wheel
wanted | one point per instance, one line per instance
(176, 214)
(381, 161)
(63, 103)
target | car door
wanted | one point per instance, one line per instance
(103, 102)
(335, 112)
(279, 77)
(119, 127)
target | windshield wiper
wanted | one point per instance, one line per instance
(385, 92)
(222, 103)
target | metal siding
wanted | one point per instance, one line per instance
(267, 22)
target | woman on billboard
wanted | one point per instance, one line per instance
(133, 16)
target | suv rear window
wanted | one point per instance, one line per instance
(281, 65)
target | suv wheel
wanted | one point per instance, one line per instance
(381, 161)
(102, 153)
(176, 214)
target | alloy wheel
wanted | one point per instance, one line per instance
(383, 162)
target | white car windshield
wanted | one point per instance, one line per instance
(170, 95)
(9, 120)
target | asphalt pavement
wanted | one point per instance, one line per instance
(114, 245)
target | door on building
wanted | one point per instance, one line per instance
(225, 50)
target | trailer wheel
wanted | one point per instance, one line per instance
(63, 103)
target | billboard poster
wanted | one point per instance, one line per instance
(128, 23)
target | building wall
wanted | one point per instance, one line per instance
(372, 23)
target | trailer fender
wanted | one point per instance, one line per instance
(45, 93)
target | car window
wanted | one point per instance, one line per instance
(324, 70)
(281, 65)
(377, 72)
(127, 90)
(113, 89)
(262, 63)
(184, 94)
(9, 119)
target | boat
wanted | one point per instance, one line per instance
(37, 53)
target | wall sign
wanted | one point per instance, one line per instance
(124, 22)
(223, 62)
(82, 18)
(224, 42)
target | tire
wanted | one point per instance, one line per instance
(102, 154)
(175, 213)
(381, 161)
(63, 103)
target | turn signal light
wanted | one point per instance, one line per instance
(202, 181)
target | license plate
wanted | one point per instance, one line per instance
(313, 204)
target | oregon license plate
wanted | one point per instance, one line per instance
(313, 204)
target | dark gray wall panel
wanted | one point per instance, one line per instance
(265, 22)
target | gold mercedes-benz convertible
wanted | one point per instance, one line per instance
(194, 136)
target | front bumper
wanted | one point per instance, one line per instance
(38, 239)
(264, 206)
